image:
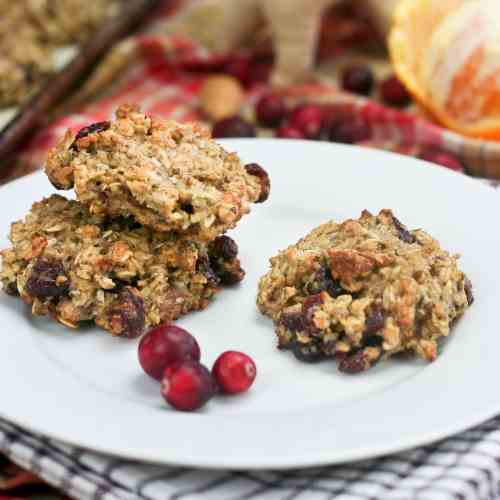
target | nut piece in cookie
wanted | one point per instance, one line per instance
(125, 277)
(168, 176)
(363, 290)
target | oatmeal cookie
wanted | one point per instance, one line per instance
(170, 177)
(363, 290)
(61, 22)
(123, 276)
(22, 71)
(30, 30)
(24, 62)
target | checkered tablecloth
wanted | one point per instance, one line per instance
(463, 467)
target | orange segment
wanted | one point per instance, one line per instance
(448, 55)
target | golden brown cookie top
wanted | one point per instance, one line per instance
(169, 176)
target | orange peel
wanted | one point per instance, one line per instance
(447, 54)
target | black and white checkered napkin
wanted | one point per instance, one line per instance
(463, 467)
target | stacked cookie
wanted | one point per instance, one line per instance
(143, 243)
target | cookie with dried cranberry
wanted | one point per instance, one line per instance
(121, 275)
(363, 290)
(168, 176)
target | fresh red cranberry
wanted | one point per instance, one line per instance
(288, 132)
(307, 118)
(350, 132)
(164, 346)
(270, 110)
(358, 79)
(234, 372)
(234, 126)
(444, 159)
(239, 69)
(187, 386)
(394, 92)
(335, 115)
(259, 72)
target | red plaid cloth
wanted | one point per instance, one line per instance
(167, 72)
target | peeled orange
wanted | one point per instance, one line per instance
(447, 53)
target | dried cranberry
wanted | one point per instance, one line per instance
(358, 79)
(223, 253)
(374, 321)
(468, 291)
(442, 158)
(323, 282)
(91, 129)
(308, 118)
(354, 363)
(350, 132)
(301, 321)
(223, 247)
(403, 233)
(187, 386)
(270, 110)
(127, 317)
(293, 321)
(288, 132)
(204, 267)
(230, 277)
(48, 278)
(265, 183)
(311, 302)
(234, 126)
(164, 346)
(234, 372)
(394, 92)
(308, 310)
(309, 353)
(229, 274)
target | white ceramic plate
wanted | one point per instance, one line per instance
(87, 388)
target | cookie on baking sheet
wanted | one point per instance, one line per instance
(61, 22)
(363, 290)
(123, 276)
(24, 61)
(168, 176)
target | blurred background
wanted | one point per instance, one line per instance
(369, 72)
